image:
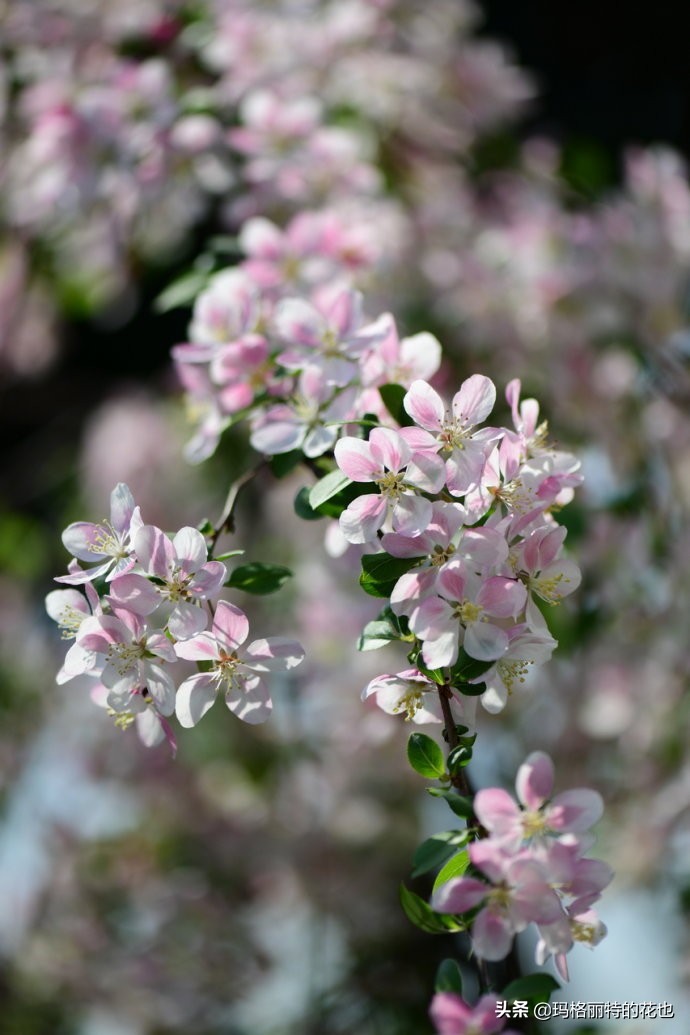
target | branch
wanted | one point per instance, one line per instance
(226, 521)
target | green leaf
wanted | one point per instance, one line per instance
(283, 463)
(228, 554)
(328, 487)
(387, 626)
(436, 850)
(424, 917)
(535, 988)
(380, 572)
(259, 578)
(459, 805)
(303, 507)
(182, 291)
(455, 867)
(459, 757)
(206, 527)
(448, 977)
(393, 396)
(466, 668)
(425, 756)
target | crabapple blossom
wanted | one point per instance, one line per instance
(461, 613)
(463, 450)
(526, 649)
(519, 894)
(310, 421)
(400, 474)
(69, 608)
(453, 1016)
(185, 579)
(414, 694)
(109, 543)
(540, 816)
(233, 672)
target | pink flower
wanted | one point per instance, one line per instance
(185, 578)
(387, 460)
(463, 450)
(453, 1016)
(570, 812)
(525, 649)
(310, 421)
(245, 693)
(109, 543)
(410, 692)
(461, 613)
(518, 895)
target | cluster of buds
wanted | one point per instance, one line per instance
(147, 603)
(531, 868)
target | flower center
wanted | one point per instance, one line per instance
(441, 554)
(410, 702)
(468, 612)
(123, 655)
(392, 485)
(533, 824)
(512, 671)
(453, 436)
(69, 621)
(106, 540)
(549, 589)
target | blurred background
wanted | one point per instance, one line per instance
(515, 174)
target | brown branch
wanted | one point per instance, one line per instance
(226, 521)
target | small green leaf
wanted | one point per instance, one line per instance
(380, 572)
(459, 758)
(393, 396)
(455, 867)
(259, 578)
(436, 850)
(228, 554)
(328, 487)
(182, 291)
(386, 627)
(535, 988)
(425, 756)
(449, 977)
(424, 917)
(206, 527)
(459, 805)
(283, 463)
(466, 668)
(303, 507)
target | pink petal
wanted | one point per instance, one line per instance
(121, 507)
(459, 895)
(363, 518)
(575, 811)
(388, 449)
(230, 625)
(299, 323)
(187, 620)
(534, 782)
(425, 406)
(249, 700)
(202, 647)
(79, 538)
(502, 598)
(451, 1014)
(492, 935)
(275, 654)
(485, 642)
(135, 593)
(475, 400)
(356, 460)
(411, 514)
(190, 548)
(99, 633)
(496, 810)
(194, 698)
(155, 551)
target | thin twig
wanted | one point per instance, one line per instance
(226, 521)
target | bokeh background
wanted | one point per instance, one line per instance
(517, 175)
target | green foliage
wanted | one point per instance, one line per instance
(466, 668)
(183, 291)
(436, 850)
(392, 396)
(459, 757)
(228, 554)
(423, 916)
(383, 629)
(459, 805)
(259, 578)
(535, 988)
(283, 463)
(380, 572)
(449, 977)
(303, 507)
(456, 866)
(328, 487)
(425, 756)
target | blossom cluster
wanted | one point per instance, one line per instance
(531, 868)
(147, 603)
(469, 509)
(283, 339)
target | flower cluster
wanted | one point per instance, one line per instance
(157, 596)
(301, 365)
(469, 510)
(531, 868)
